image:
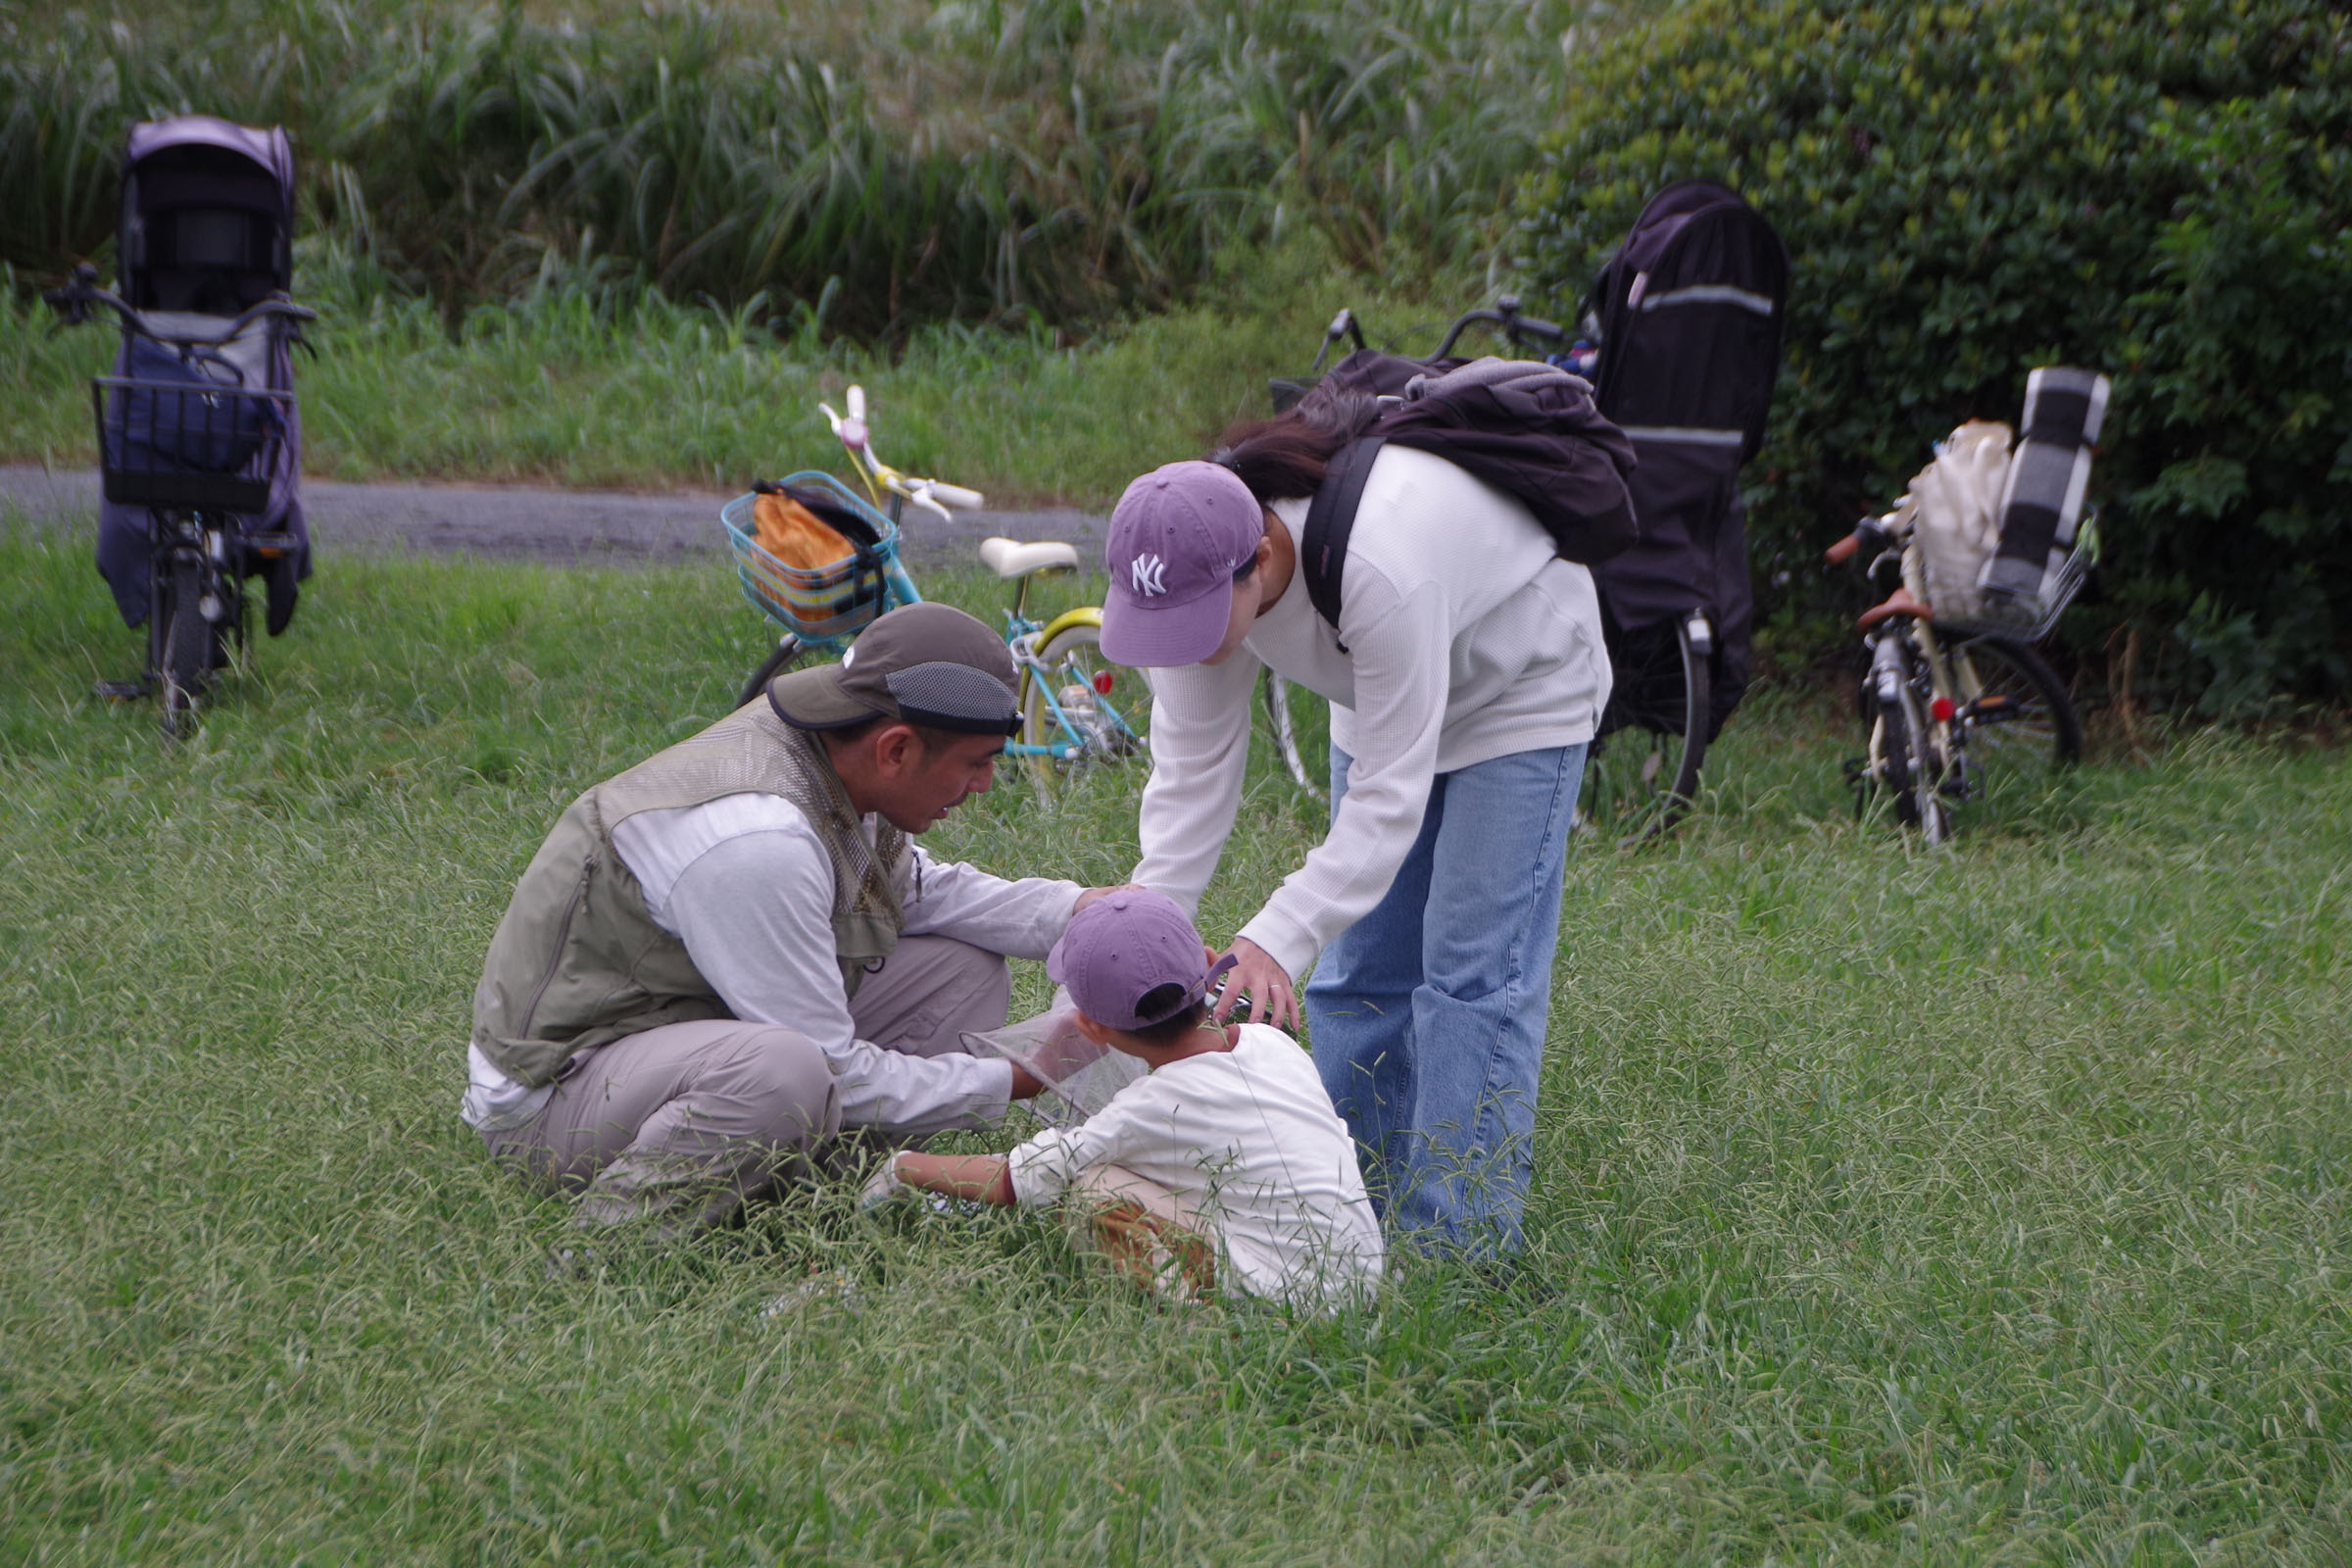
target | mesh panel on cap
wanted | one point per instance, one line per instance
(952, 695)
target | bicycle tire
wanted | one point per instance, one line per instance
(1115, 722)
(1885, 742)
(2018, 726)
(1923, 805)
(1905, 757)
(1644, 794)
(1275, 691)
(187, 645)
(782, 657)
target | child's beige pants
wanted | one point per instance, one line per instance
(1155, 1236)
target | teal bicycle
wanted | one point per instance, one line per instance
(1077, 708)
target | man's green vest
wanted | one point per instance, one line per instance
(578, 962)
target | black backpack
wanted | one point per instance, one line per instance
(1525, 427)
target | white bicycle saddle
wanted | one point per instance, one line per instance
(1010, 557)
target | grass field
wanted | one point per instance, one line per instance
(1892, 1206)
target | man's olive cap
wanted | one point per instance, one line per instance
(929, 664)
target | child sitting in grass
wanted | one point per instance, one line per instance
(1224, 1169)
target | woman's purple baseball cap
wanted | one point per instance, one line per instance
(1177, 537)
(1124, 946)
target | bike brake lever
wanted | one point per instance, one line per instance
(917, 491)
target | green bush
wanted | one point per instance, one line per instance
(2159, 190)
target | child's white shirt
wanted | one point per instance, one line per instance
(1248, 1138)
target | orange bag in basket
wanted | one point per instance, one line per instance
(795, 535)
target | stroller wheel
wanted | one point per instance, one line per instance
(188, 644)
(1643, 777)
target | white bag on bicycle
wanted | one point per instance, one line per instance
(1954, 507)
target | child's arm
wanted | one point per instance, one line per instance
(985, 1177)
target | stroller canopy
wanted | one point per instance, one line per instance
(1691, 345)
(1690, 310)
(1691, 320)
(208, 216)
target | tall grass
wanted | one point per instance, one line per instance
(867, 168)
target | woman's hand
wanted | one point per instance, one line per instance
(1272, 998)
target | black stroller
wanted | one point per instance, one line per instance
(1683, 348)
(1688, 319)
(199, 440)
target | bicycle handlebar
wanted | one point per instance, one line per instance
(857, 436)
(73, 302)
(1871, 533)
(1506, 315)
(956, 496)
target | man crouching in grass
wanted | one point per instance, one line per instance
(1226, 1169)
(724, 957)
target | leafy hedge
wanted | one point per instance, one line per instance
(2158, 188)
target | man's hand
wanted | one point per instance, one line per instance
(1092, 894)
(1272, 998)
(1026, 1085)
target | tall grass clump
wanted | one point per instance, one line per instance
(969, 160)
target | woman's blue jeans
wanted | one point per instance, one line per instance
(1428, 1015)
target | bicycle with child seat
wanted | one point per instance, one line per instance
(198, 453)
(1077, 709)
(1956, 709)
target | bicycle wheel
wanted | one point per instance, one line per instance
(1079, 701)
(785, 654)
(1923, 805)
(1276, 693)
(1906, 753)
(186, 645)
(1644, 777)
(2017, 727)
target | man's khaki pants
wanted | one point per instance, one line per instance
(674, 1128)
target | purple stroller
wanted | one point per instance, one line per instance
(200, 443)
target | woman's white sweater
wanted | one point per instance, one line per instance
(1465, 639)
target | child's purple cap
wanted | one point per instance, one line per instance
(1124, 947)
(1177, 537)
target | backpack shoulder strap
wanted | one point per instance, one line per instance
(1330, 519)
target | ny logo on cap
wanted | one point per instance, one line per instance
(1145, 572)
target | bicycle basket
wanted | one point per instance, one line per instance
(1966, 605)
(818, 604)
(187, 443)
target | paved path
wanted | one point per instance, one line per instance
(567, 526)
